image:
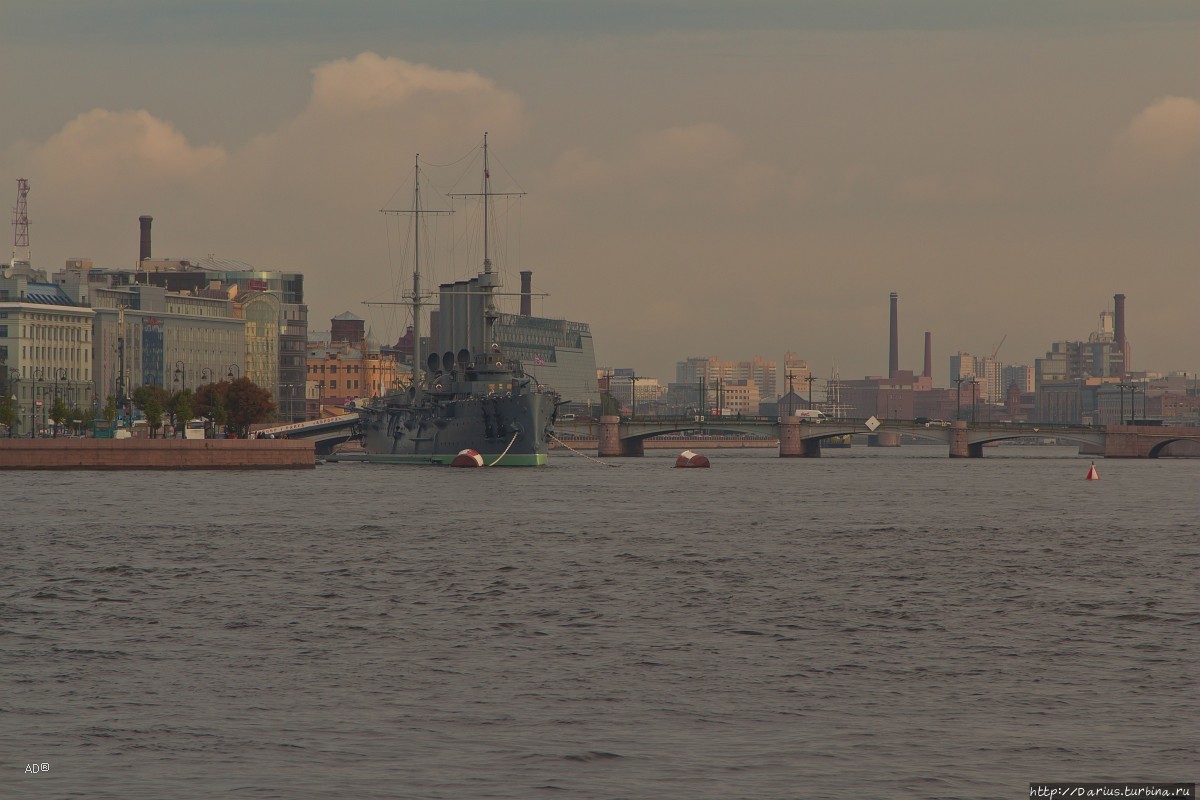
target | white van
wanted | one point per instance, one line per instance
(194, 429)
(811, 415)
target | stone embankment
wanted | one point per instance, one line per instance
(156, 454)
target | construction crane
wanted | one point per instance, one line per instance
(997, 350)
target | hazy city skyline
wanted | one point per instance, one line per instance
(704, 178)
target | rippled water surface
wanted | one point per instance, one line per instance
(875, 624)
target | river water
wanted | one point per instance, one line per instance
(876, 623)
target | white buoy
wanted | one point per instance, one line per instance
(467, 458)
(689, 459)
(1092, 474)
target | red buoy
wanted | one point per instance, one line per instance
(689, 459)
(467, 458)
(1092, 474)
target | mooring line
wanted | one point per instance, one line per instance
(502, 455)
(584, 455)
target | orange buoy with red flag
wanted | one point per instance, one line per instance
(1092, 474)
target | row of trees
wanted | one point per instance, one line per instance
(76, 420)
(232, 406)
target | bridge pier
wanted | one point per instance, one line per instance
(610, 443)
(791, 445)
(883, 439)
(959, 446)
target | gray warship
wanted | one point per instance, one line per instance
(470, 399)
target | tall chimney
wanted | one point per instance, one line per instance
(144, 254)
(894, 351)
(1119, 331)
(928, 371)
(526, 296)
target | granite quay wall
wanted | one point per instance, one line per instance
(156, 454)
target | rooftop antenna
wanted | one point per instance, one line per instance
(21, 251)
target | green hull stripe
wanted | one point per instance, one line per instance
(510, 460)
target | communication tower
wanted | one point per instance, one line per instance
(21, 251)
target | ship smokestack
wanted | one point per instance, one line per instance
(1119, 331)
(526, 293)
(894, 350)
(928, 371)
(144, 254)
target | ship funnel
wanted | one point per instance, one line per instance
(526, 293)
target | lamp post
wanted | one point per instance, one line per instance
(181, 375)
(974, 398)
(810, 380)
(34, 401)
(206, 375)
(1121, 415)
(59, 373)
(14, 380)
(233, 371)
(958, 382)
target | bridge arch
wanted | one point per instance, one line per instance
(1156, 450)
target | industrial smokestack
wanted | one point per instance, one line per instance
(526, 293)
(894, 350)
(144, 253)
(1119, 331)
(928, 371)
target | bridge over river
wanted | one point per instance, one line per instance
(622, 436)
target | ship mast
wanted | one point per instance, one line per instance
(489, 299)
(489, 279)
(415, 300)
(416, 293)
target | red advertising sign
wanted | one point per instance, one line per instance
(256, 285)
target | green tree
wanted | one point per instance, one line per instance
(59, 413)
(109, 412)
(181, 407)
(151, 401)
(86, 417)
(8, 414)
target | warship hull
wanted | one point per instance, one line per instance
(509, 430)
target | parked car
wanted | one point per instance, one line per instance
(922, 420)
(937, 423)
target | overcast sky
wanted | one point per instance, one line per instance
(703, 178)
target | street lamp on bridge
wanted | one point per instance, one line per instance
(958, 382)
